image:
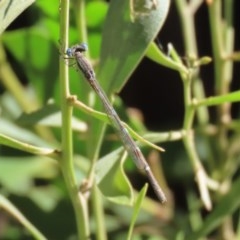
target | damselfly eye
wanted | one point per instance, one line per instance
(83, 47)
(69, 52)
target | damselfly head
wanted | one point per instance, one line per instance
(69, 52)
(77, 48)
(83, 47)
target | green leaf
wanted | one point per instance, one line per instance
(39, 68)
(155, 54)
(137, 207)
(10, 10)
(49, 8)
(111, 179)
(95, 18)
(46, 197)
(50, 116)
(225, 207)
(17, 174)
(11, 130)
(10, 208)
(125, 39)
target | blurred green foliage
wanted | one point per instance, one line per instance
(119, 34)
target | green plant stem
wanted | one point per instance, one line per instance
(11, 142)
(189, 109)
(202, 112)
(187, 20)
(228, 70)
(96, 197)
(78, 199)
(222, 34)
(216, 100)
(99, 213)
(80, 17)
(228, 45)
(221, 82)
(187, 12)
(215, 12)
(203, 120)
(81, 20)
(189, 144)
(194, 5)
(10, 208)
(79, 9)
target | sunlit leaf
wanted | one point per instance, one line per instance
(49, 115)
(111, 179)
(10, 10)
(125, 43)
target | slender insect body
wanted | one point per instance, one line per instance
(158, 191)
(84, 65)
(138, 154)
(129, 144)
